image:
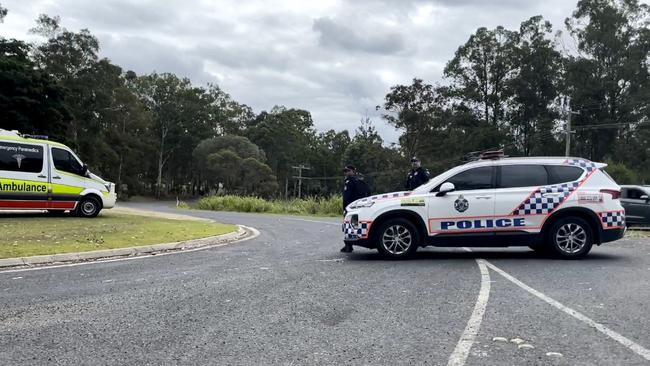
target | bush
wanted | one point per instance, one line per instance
(319, 206)
(621, 173)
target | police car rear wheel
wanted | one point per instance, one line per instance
(397, 238)
(88, 207)
(571, 238)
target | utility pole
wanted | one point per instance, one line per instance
(300, 168)
(567, 130)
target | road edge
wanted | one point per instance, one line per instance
(242, 233)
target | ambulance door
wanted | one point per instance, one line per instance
(68, 180)
(469, 208)
(23, 175)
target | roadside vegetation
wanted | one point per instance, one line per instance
(37, 234)
(317, 206)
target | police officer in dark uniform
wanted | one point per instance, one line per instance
(353, 190)
(417, 176)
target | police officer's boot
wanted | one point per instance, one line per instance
(347, 248)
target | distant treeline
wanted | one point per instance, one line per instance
(160, 134)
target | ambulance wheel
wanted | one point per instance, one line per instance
(570, 238)
(88, 207)
(397, 239)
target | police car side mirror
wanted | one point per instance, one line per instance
(645, 197)
(445, 188)
(84, 170)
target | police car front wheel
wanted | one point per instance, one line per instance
(397, 238)
(571, 238)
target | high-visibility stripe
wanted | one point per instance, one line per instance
(40, 205)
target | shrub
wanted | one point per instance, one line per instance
(320, 206)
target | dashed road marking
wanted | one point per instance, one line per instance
(631, 345)
(553, 354)
(459, 356)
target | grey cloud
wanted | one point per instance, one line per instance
(337, 35)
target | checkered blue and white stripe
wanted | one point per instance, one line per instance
(350, 233)
(613, 219)
(585, 164)
(546, 199)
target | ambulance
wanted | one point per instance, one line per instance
(39, 174)
(554, 205)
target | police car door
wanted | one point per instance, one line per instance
(23, 175)
(467, 209)
(68, 180)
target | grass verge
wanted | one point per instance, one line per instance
(314, 206)
(37, 234)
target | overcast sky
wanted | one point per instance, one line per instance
(335, 58)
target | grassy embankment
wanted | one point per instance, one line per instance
(36, 234)
(331, 206)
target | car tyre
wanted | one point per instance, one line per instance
(570, 238)
(397, 239)
(88, 207)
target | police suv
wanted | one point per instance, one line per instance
(561, 206)
(38, 174)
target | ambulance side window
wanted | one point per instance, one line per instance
(21, 157)
(66, 162)
(477, 178)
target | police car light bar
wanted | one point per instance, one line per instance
(490, 155)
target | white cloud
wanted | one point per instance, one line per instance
(336, 58)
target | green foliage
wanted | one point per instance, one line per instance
(160, 134)
(318, 206)
(621, 173)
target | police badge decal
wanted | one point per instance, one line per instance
(461, 204)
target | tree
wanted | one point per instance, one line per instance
(380, 165)
(236, 162)
(3, 13)
(481, 71)
(30, 100)
(412, 108)
(285, 136)
(535, 88)
(608, 81)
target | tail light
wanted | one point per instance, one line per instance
(615, 194)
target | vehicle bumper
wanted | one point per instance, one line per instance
(108, 200)
(356, 232)
(612, 235)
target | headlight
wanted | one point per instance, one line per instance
(362, 204)
(108, 186)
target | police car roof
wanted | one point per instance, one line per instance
(528, 160)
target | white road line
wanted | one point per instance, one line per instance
(634, 347)
(459, 356)
(256, 233)
(315, 221)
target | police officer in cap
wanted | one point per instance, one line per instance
(417, 176)
(353, 190)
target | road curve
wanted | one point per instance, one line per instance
(289, 297)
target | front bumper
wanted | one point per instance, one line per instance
(354, 231)
(108, 200)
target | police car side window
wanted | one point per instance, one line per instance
(477, 178)
(513, 176)
(21, 157)
(563, 174)
(64, 161)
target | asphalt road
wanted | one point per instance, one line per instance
(289, 297)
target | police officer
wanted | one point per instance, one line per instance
(417, 176)
(353, 190)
